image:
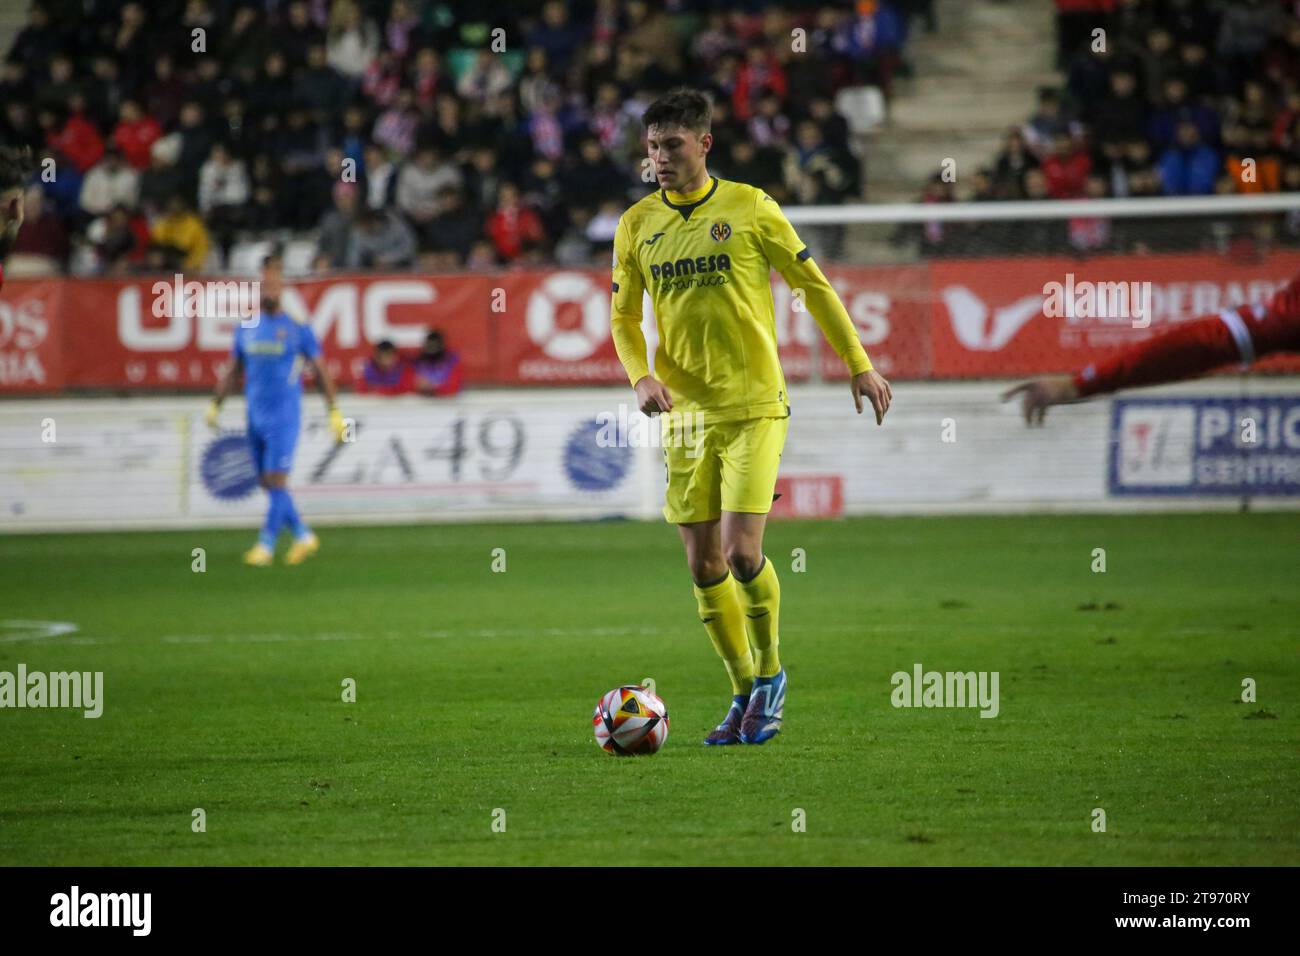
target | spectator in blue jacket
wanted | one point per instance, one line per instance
(1189, 167)
(1178, 109)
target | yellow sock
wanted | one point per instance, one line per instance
(722, 618)
(760, 598)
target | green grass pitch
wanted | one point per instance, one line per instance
(223, 691)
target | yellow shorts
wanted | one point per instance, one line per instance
(732, 466)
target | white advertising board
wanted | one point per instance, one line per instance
(85, 464)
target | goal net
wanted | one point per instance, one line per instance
(955, 301)
(1005, 289)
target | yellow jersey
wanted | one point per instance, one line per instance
(706, 260)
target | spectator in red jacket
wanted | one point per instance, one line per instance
(1066, 168)
(76, 138)
(386, 373)
(513, 225)
(761, 74)
(135, 134)
(437, 370)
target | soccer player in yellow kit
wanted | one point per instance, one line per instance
(704, 249)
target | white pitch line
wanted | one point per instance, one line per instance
(36, 630)
(442, 634)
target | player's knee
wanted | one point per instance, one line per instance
(744, 561)
(706, 568)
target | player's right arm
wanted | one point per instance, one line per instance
(628, 289)
(1188, 350)
(225, 383)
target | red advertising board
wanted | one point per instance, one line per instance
(1002, 317)
(553, 329)
(31, 336)
(809, 496)
(890, 308)
(119, 339)
(986, 318)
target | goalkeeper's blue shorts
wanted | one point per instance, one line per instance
(273, 447)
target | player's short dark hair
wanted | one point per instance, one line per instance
(15, 166)
(385, 345)
(684, 107)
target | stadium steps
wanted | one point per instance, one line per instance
(973, 78)
(13, 17)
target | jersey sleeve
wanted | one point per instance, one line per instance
(1278, 328)
(788, 255)
(628, 288)
(781, 244)
(1242, 335)
(1185, 351)
(308, 345)
(237, 347)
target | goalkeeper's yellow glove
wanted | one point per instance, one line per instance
(337, 425)
(213, 414)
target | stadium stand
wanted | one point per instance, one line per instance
(1172, 98)
(191, 134)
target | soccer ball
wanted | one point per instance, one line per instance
(630, 721)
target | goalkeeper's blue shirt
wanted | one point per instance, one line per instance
(272, 352)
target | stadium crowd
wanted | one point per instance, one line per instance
(400, 132)
(1172, 98)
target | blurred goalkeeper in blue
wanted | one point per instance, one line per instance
(272, 352)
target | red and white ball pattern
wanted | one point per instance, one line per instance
(630, 721)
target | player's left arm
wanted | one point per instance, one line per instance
(309, 348)
(337, 425)
(787, 254)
